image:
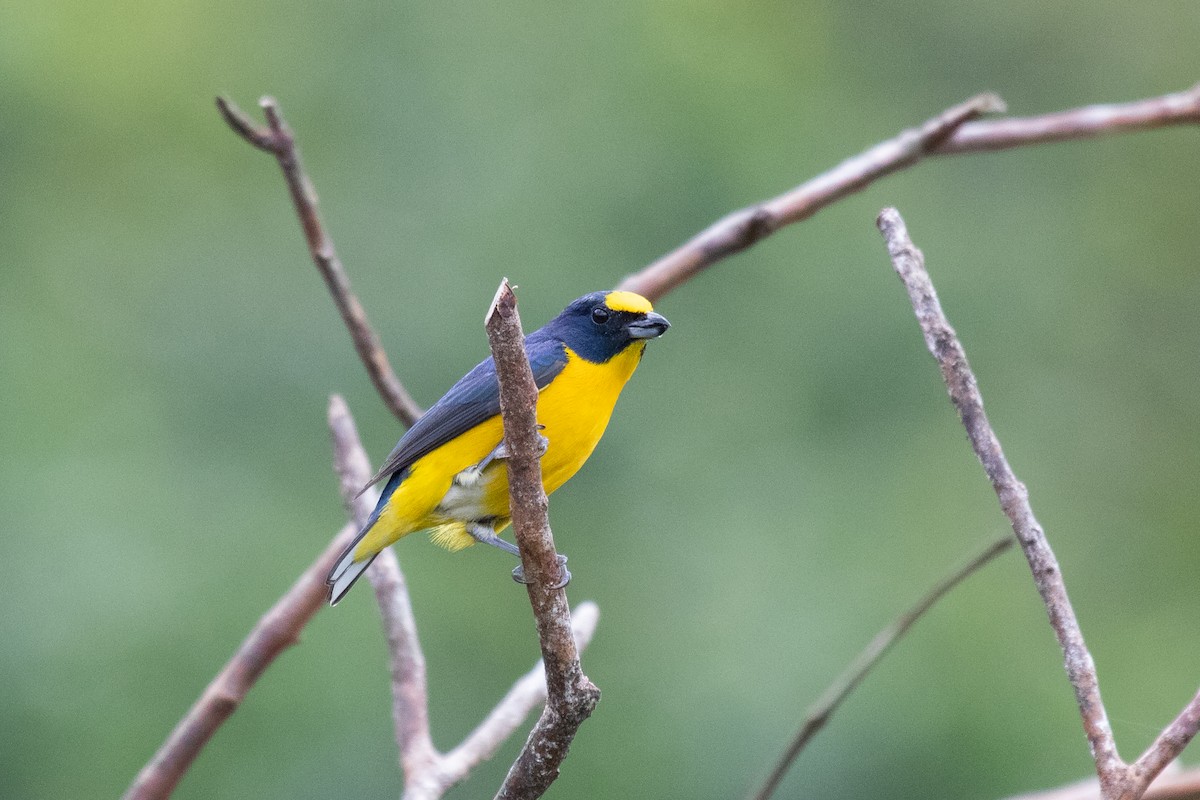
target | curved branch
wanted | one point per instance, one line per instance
(950, 133)
(277, 630)
(1117, 780)
(483, 742)
(277, 139)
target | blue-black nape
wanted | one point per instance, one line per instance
(597, 328)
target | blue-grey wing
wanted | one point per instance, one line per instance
(471, 401)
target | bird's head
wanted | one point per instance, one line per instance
(600, 325)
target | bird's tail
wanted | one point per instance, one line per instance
(346, 572)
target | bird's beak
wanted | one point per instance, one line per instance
(650, 326)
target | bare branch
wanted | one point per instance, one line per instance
(1166, 748)
(943, 343)
(743, 228)
(570, 695)
(821, 711)
(951, 132)
(482, 743)
(277, 630)
(410, 703)
(276, 138)
(1179, 108)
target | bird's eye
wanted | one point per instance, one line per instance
(600, 315)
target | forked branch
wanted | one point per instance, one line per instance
(954, 131)
(1117, 780)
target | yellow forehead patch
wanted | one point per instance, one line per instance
(628, 301)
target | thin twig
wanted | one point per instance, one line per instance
(741, 229)
(570, 697)
(277, 630)
(845, 683)
(951, 132)
(1077, 123)
(1117, 780)
(277, 139)
(1166, 748)
(410, 698)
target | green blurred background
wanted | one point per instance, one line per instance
(782, 477)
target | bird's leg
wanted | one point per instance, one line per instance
(485, 534)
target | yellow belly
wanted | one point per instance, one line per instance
(574, 408)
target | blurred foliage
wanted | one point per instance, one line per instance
(781, 478)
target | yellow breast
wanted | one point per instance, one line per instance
(574, 409)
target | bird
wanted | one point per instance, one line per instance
(447, 474)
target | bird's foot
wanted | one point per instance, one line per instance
(518, 573)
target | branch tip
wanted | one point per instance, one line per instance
(277, 139)
(990, 103)
(274, 115)
(504, 301)
(337, 406)
(245, 127)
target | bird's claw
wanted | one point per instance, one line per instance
(518, 573)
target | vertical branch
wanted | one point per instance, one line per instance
(570, 696)
(943, 343)
(428, 774)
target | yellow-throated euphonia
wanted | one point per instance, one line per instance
(447, 474)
